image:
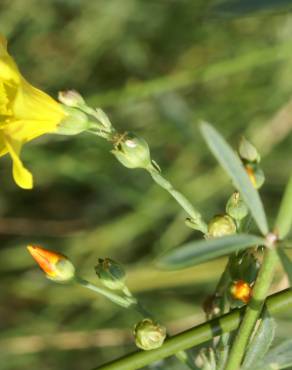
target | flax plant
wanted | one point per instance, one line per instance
(240, 299)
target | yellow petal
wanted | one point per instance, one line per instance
(21, 175)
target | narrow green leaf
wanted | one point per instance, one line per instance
(284, 218)
(287, 264)
(261, 342)
(196, 252)
(234, 168)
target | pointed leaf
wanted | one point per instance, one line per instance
(284, 218)
(261, 342)
(234, 168)
(287, 264)
(196, 252)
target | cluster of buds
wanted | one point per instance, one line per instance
(251, 161)
(130, 150)
(81, 117)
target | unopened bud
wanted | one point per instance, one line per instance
(149, 335)
(236, 208)
(74, 123)
(56, 266)
(111, 273)
(221, 226)
(71, 98)
(247, 151)
(241, 291)
(132, 151)
(256, 175)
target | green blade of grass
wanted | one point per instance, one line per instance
(284, 219)
(196, 252)
(234, 168)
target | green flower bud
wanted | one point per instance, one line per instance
(221, 226)
(74, 123)
(71, 98)
(111, 273)
(236, 208)
(132, 151)
(149, 335)
(247, 151)
(256, 175)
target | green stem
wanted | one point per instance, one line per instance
(197, 335)
(195, 216)
(121, 301)
(254, 309)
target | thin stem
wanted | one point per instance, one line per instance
(197, 335)
(254, 309)
(121, 301)
(195, 215)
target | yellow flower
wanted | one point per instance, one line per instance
(25, 114)
(241, 290)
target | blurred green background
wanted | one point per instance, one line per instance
(157, 68)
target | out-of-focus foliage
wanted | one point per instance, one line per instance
(157, 67)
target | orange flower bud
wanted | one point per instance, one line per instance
(256, 175)
(56, 266)
(241, 290)
(251, 175)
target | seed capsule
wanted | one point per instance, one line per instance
(221, 226)
(111, 273)
(132, 151)
(149, 335)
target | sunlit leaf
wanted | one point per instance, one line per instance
(234, 168)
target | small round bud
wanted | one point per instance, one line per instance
(241, 291)
(221, 226)
(132, 151)
(256, 175)
(149, 335)
(111, 273)
(56, 266)
(236, 208)
(71, 98)
(247, 151)
(74, 123)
